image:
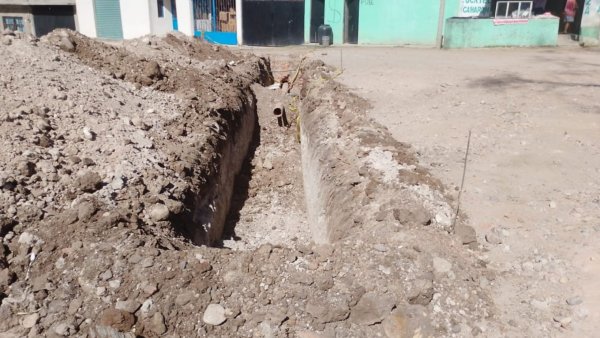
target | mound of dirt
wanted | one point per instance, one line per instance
(111, 170)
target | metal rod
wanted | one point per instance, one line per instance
(462, 183)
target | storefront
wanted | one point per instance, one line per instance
(491, 23)
(451, 23)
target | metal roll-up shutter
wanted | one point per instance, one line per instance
(108, 19)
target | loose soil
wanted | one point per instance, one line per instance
(114, 162)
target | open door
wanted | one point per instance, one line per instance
(351, 21)
(317, 18)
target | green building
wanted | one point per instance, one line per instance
(447, 23)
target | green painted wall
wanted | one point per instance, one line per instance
(334, 16)
(387, 22)
(407, 22)
(474, 33)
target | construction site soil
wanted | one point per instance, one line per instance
(148, 190)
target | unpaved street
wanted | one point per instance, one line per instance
(532, 184)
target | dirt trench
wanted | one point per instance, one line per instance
(138, 178)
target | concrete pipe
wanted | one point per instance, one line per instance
(279, 112)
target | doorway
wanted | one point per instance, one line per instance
(351, 8)
(317, 18)
(557, 7)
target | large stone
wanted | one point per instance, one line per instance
(117, 319)
(214, 315)
(157, 324)
(130, 306)
(102, 331)
(407, 322)
(326, 312)
(466, 234)
(152, 70)
(30, 320)
(89, 182)
(159, 212)
(371, 309)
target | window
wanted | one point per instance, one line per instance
(14, 23)
(513, 9)
(161, 8)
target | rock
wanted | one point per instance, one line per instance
(117, 319)
(152, 70)
(147, 262)
(42, 124)
(159, 212)
(574, 300)
(466, 234)
(102, 331)
(114, 284)
(63, 329)
(552, 205)
(184, 298)
(493, 239)
(371, 309)
(88, 162)
(88, 134)
(26, 238)
(85, 211)
(66, 44)
(89, 182)
(441, 266)
(157, 324)
(149, 288)
(7, 277)
(6, 40)
(30, 320)
(421, 292)
(147, 306)
(409, 216)
(325, 312)
(407, 322)
(117, 183)
(564, 321)
(130, 306)
(138, 122)
(214, 315)
(299, 277)
(267, 164)
(26, 169)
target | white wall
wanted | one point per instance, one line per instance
(135, 15)
(185, 16)
(86, 20)
(161, 26)
(238, 22)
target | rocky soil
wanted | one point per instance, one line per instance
(106, 151)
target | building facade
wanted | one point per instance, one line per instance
(215, 20)
(449, 23)
(37, 17)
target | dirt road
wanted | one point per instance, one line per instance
(532, 187)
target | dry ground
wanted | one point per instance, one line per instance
(532, 183)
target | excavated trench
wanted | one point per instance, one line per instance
(253, 172)
(268, 204)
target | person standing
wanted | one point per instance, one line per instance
(570, 12)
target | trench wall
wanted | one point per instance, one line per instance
(357, 177)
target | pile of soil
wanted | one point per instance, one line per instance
(105, 151)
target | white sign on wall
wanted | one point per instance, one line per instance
(474, 8)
